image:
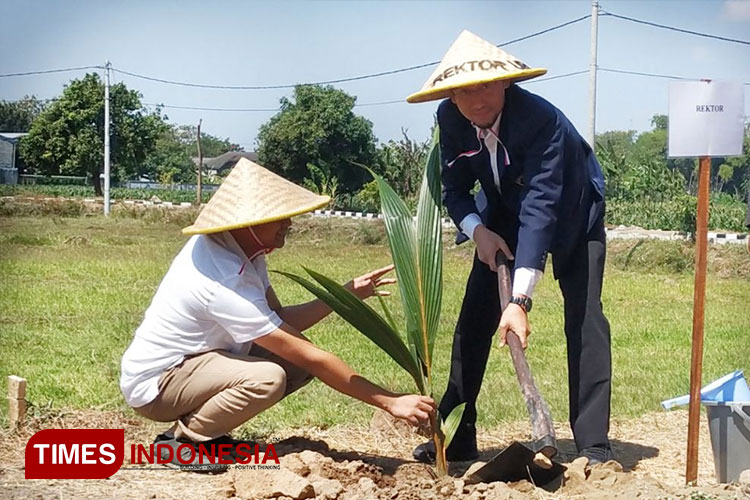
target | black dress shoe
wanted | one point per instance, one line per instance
(598, 454)
(163, 437)
(233, 443)
(425, 452)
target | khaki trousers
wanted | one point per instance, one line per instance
(210, 394)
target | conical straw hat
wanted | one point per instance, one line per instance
(469, 61)
(252, 195)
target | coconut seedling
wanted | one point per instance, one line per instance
(417, 252)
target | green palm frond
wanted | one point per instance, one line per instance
(450, 424)
(416, 249)
(362, 317)
(430, 247)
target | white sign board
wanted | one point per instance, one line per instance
(706, 118)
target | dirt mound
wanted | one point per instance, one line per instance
(310, 474)
(356, 463)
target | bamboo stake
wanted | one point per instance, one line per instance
(16, 401)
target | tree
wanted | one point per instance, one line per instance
(171, 160)
(68, 136)
(318, 126)
(613, 149)
(211, 145)
(652, 174)
(737, 169)
(660, 122)
(17, 116)
(403, 162)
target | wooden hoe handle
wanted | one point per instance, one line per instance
(542, 430)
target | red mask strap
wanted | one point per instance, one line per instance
(263, 249)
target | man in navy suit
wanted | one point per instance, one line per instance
(544, 195)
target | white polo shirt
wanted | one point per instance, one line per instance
(210, 298)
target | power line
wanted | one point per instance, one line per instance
(381, 103)
(574, 73)
(553, 28)
(672, 28)
(193, 108)
(260, 110)
(639, 73)
(653, 75)
(400, 101)
(79, 68)
(396, 101)
(384, 73)
(339, 80)
(51, 99)
(268, 87)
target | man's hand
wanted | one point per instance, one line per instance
(366, 285)
(488, 244)
(514, 319)
(413, 408)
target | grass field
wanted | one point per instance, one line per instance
(73, 290)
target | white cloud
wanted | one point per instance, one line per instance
(736, 10)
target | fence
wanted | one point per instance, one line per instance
(51, 180)
(176, 187)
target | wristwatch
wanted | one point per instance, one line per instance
(522, 301)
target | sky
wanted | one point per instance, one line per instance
(243, 43)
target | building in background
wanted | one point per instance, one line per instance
(221, 165)
(10, 162)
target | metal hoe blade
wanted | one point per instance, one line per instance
(515, 463)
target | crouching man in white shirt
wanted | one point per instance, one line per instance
(216, 347)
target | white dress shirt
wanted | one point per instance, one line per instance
(525, 279)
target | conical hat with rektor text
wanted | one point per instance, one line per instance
(252, 195)
(472, 60)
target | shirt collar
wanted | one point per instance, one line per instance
(225, 239)
(494, 129)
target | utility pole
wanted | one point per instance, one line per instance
(200, 166)
(107, 68)
(592, 73)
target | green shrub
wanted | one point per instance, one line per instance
(116, 193)
(676, 257)
(367, 199)
(370, 233)
(727, 215)
(677, 214)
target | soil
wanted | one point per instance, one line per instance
(356, 463)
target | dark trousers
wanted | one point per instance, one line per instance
(586, 330)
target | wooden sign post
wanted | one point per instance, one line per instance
(699, 299)
(706, 119)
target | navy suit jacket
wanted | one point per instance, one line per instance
(552, 193)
